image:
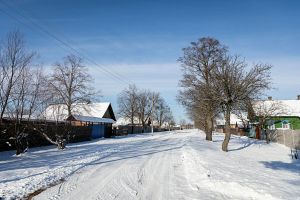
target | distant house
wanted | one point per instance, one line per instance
(122, 121)
(236, 124)
(287, 118)
(98, 115)
(136, 122)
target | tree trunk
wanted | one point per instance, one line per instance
(143, 128)
(132, 119)
(208, 128)
(69, 109)
(21, 146)
(267, 139)
(227, 130)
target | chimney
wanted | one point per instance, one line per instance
(298, 97)
(270, 98)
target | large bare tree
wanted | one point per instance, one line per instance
(197, 64)
(70, 83)
(21, 79)
(28, 95)
(233, 86)
(15, 58)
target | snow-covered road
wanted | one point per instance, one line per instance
(176, 165)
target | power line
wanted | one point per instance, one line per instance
(67, 38)
(109, 73)
(121, 80)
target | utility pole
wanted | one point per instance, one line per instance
(169, 118)
(152, 115)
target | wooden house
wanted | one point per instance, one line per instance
(287, 116)
(98, 115)
(60, 112)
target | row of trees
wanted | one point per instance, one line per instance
(135, 103)
(26, 90)
(215, 82)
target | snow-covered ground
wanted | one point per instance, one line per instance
(176, 165)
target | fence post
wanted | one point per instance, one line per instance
(283, 137)
(293, 139)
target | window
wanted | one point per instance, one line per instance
(271, 125)
(285, 123)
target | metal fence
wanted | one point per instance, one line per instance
(289, 138)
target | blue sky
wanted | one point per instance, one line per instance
(142, 40)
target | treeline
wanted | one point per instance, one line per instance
(136, 105)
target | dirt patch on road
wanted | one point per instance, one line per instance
(31, 195)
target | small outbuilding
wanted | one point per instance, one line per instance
(102, 127)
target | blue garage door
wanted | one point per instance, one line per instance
(98, 131)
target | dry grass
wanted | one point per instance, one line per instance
(31, 195)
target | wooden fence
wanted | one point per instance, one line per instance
(36, 139)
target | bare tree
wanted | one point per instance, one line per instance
(197, 64)
(183, 123)
(161, 112)
(70, 83)
(14, 59)
(144, 111)
(171, 120)
(233, 86)
(19, 87)
(27, 96)
(127, 103)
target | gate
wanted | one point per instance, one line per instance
(98, 130)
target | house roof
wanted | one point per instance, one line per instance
(12, 117)
(126, 120)
(92, 119)
(286, 108)
(60, 111)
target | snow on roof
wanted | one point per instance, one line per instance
(60, 111)
(285, 107)
(126, 120)
(31, 118)
(234, 119)
(92, 119)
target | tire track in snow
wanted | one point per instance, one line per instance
(119, 183)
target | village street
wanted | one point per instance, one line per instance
(176, 165)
